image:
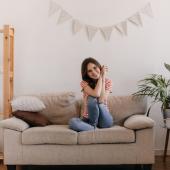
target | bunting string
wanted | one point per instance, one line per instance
(105, 31)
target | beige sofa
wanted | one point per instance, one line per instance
(129, 141)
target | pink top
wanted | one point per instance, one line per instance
(83, 84)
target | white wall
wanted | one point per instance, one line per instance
(48, 56)
(1, 76)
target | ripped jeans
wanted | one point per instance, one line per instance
(98, 116)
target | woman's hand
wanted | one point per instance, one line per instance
(103, 71)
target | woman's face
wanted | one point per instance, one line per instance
(93, 71)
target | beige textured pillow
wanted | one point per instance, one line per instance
(14, 124)
(138, 122)
(60, 107)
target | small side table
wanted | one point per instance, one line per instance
(1, 158)
(167, 126)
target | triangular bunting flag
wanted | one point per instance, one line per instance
(53, 8)
(147, 10)
(91, 31)
(136, 19)
(122, 27)
(64, 16)
(76, 26)
(106, 32)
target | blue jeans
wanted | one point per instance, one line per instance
(99, 116)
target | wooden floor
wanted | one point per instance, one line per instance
(159, 165)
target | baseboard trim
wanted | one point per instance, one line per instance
(160, 152)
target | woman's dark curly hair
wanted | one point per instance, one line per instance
(85, 77)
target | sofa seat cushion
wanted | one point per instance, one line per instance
(115, 134)
(52, 134)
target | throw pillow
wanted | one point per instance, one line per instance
(32, 118)
(14, 124)
(27, 103)
(136, 122)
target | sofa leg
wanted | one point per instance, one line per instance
(18, 167)
(11, 167)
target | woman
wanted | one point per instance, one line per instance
(96, 88)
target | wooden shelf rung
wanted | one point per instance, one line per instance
(11, 74)
(11, 32)
(1, 156)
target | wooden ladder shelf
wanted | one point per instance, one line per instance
(8, 68)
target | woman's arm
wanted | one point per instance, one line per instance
(102, 96)
(106, 87)
(96, 92)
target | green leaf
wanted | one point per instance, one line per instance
(167, 66)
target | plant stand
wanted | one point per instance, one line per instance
(167, 125)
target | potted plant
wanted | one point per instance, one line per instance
(158, 88)
(167, 111)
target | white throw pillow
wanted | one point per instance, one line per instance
(27, 103)
(136, 122)
(14, 124)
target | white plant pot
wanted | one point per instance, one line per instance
(166, 113)
(167, 123)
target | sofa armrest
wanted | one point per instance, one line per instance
(14, 124)
(136, 122)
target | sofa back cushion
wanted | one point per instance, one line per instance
(122, 107)
(60, 107)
